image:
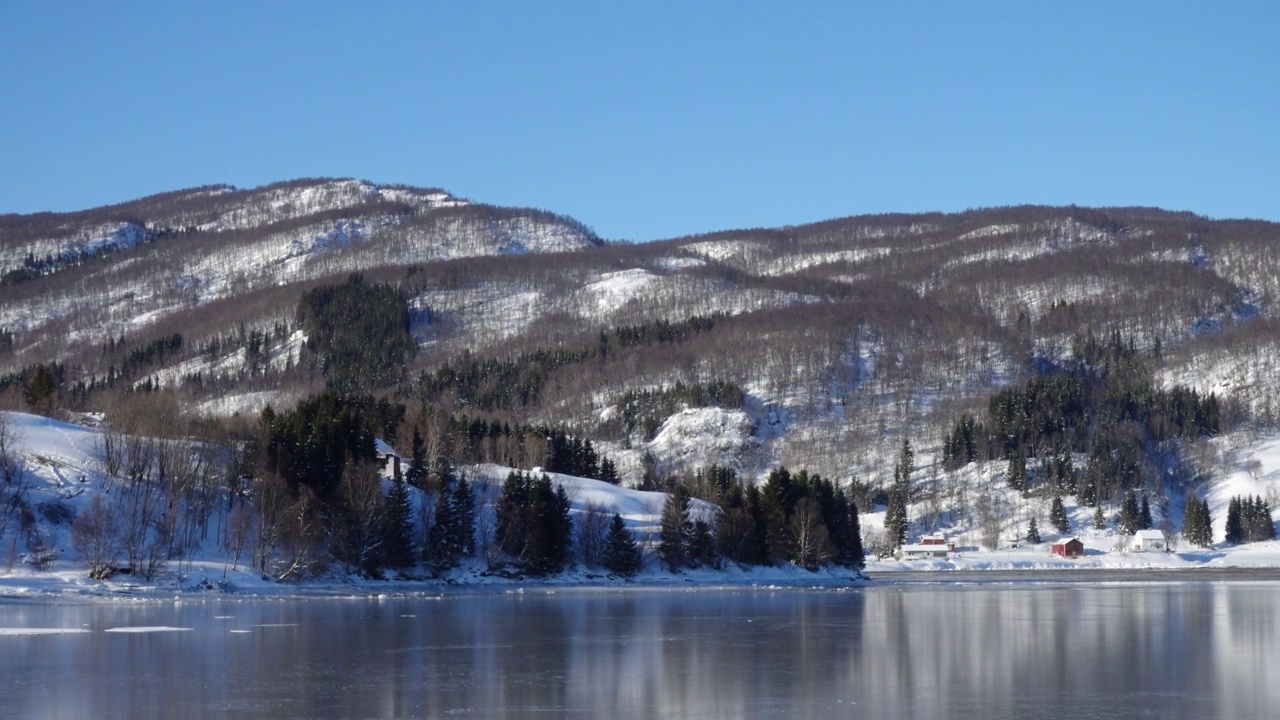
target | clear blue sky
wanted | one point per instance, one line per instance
(652, 119)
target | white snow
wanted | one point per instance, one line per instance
(613, 290)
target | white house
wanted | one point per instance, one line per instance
(922, 552)
(1148, 540)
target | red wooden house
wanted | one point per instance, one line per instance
(1069, 548)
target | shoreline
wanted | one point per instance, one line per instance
(53, 590)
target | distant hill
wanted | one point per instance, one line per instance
(818, 346)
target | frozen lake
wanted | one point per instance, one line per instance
(1060, 650)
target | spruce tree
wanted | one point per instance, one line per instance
(417, 473)
(1033, 533)
(1144, 514)
(397, 534)
(440, 550)
(1058, 516)
(464, 512)
(1129, 515)
(702, 546)
(1197, 525)
(1086, 491)
(621, 553)
(1099, 520)
(549, 531)
(895, 517)
(1235, 523)
(674, 530)
(609, 472)
(1016, 473)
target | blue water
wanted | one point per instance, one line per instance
(1189, 650)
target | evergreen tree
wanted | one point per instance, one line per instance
(702, 546)
(758, 547)
(1129, 515)
(1264, 525)
(452, 532)
(609, 472)
(1058, 516)
(513, 514)
(1197, 525)
(854, 555)
(549, 528)
(621, 553)
(1099, 520)
(1086, 490)
(1144, 514)
(1016, 473)
(1235, 523)
(417, 473)
(464, 511)
(674, 530)
(397, 534)
(895, 518)
(1033, 533)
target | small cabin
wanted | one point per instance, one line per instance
(387, 455)
(1148, 541)
(1069, 548)
(922, 551)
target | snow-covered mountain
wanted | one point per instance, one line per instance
(842, 336)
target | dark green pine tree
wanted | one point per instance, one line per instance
(417, 473)
(550, 531)
(1016, 474)
(1058, 516)
(702, 546)
(1086, 490)
(439, 550)
(513, 514)
(1197, 525)
(1144, 514)
(609, 472)
(464, 513)
(1033, 533)
(674, 530)
(621, 553)
(846, 533)
(1235, 522)
(1129, 515)
(1099, 520)
(398, 549)
(895, 517)
(1266, 527)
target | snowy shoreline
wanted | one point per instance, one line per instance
(73, 587)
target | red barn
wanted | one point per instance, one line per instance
(1069, 548)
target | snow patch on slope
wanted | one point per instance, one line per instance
(613, 290)
(697, 437)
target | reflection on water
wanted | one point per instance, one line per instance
(1016, 651)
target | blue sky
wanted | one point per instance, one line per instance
(654, 119)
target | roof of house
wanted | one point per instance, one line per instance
(382, 448)
(1064, 541)
(924, 548)
(1149, 535)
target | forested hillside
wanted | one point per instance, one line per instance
(1097, 355)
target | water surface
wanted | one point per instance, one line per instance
(1185, 650)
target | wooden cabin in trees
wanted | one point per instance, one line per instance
(390, 459)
